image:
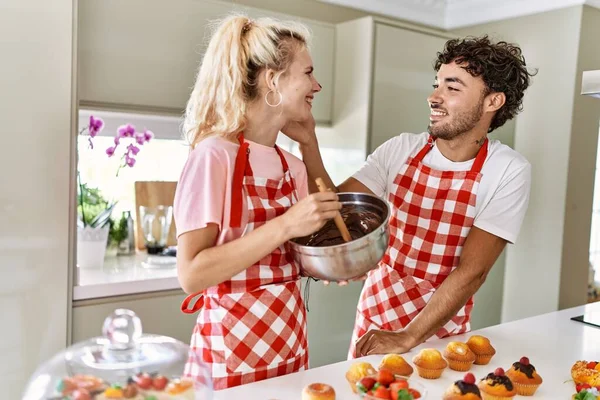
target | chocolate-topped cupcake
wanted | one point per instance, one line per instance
(464, 389)
(497, 386)
(524, 376)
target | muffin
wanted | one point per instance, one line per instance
(396, 364)
(524, 377)
(497, 386)
(481, 346)
(357, 371)
(465, 389)
(459, 356)
(430, 363)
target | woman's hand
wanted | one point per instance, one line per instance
(310, 214)
(302, 132)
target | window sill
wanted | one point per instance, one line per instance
(123, 275)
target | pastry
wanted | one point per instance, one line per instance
(159, 387)
(459, 356)
(430, 363)
(497, 386)
(396, 364)
(524, 377)
(318, 391)
(586, 372)
(464, 389)
(130, 392)
(80, 387)
(358, 371)
(483, 349)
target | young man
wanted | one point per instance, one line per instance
(457, 198)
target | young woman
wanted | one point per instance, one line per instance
(241, 198)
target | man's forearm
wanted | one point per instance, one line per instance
(444, 304)
(314, 166)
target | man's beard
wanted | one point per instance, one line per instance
(462, 123)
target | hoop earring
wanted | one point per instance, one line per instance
(267, 98)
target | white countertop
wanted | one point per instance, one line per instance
(124, 275)
(551, 341)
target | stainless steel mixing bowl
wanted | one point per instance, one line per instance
(350, 259)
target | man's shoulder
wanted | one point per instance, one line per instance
(501, 154)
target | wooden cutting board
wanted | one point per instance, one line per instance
(152, 194)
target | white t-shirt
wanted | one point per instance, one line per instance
(503, 193)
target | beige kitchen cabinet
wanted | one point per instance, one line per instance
(143, 54)
(402, 80)
(159, 311)
(330, 319)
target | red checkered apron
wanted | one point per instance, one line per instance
(253, 326)
(433, 213)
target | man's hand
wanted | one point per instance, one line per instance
(302, 132)
(384, 342)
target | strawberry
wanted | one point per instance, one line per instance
(415, 393)
(365, 384)
(591, 365)
(385, 377)
(159, 382)
(397, 386)
(382, 393)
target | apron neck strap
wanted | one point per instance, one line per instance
(477, 164)
(481, 156)
(239, 171)
(242, 168)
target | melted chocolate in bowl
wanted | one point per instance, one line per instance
(360, 222)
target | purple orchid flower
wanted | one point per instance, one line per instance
(133, 149)
(148, 135)
(140, 138)
(95, 125)
(127, 130)
(110, 151)
(130, 161)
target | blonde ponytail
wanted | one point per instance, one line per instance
(226, 82)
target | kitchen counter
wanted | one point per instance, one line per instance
(552, 342)
(125, 275)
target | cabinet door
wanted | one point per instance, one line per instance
(160, 314)
(403, 75)
(144, 54)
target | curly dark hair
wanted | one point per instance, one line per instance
(501, 66)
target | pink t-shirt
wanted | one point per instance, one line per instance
(203, 192)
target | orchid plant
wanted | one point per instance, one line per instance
(94, 209)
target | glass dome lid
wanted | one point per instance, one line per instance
(124, 363)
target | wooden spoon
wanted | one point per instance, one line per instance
(339, 221)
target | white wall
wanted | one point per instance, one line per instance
(35, 127)
(543, 135)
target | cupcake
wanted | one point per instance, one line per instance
(396, 364)
(430, 363)
(465, 389)
(497, 386)
(357, 371)
(459, 356)
(524, 377)
(481, 346)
